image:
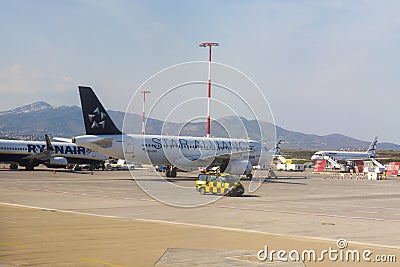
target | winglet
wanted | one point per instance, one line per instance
(49, 146)
(96, 118)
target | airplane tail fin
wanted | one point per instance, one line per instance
(96, 118)
(277, 149)
(49, 146)
(372, 147)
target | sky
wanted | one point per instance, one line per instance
(323, 66)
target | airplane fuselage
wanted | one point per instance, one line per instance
(18, 151)
(342, 155)
(174, 150)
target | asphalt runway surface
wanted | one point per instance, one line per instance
(106, 219)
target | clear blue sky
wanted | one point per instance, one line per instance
(324, 66)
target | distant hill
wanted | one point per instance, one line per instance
(39, 118)
(34, 120)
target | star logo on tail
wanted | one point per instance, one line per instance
(97, 118)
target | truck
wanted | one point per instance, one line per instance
(292, 167)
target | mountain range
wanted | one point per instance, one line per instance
(34, 120)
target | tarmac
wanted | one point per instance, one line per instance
(110, 218)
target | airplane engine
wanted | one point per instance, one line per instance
(56, 162)
(239, 167)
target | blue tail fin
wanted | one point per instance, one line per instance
(372, 147)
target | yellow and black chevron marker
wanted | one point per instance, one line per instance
(218, 183)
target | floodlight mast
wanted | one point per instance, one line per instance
(209, 45)
(144, 92)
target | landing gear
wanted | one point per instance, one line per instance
(29, 167)
(171, 172)
(13, 166)
(249, 176)
(77, 167)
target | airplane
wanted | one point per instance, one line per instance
(235, 156)
(30, 154)
(348, 155)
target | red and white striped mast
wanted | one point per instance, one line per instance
(144, 92)
(209, 44)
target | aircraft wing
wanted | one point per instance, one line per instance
(42, 156)
(228, 155)
(207, 159)
(215, 156)
(45, 154)
(62, 139)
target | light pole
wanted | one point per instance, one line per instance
(144, 92)
(209, 44)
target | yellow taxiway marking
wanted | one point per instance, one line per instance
(102, 262)
(11, 245)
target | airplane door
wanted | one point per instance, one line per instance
(129, 152)
(91, 154)
(94, 154)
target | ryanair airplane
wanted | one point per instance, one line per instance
(30, 154)
(235, 156)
